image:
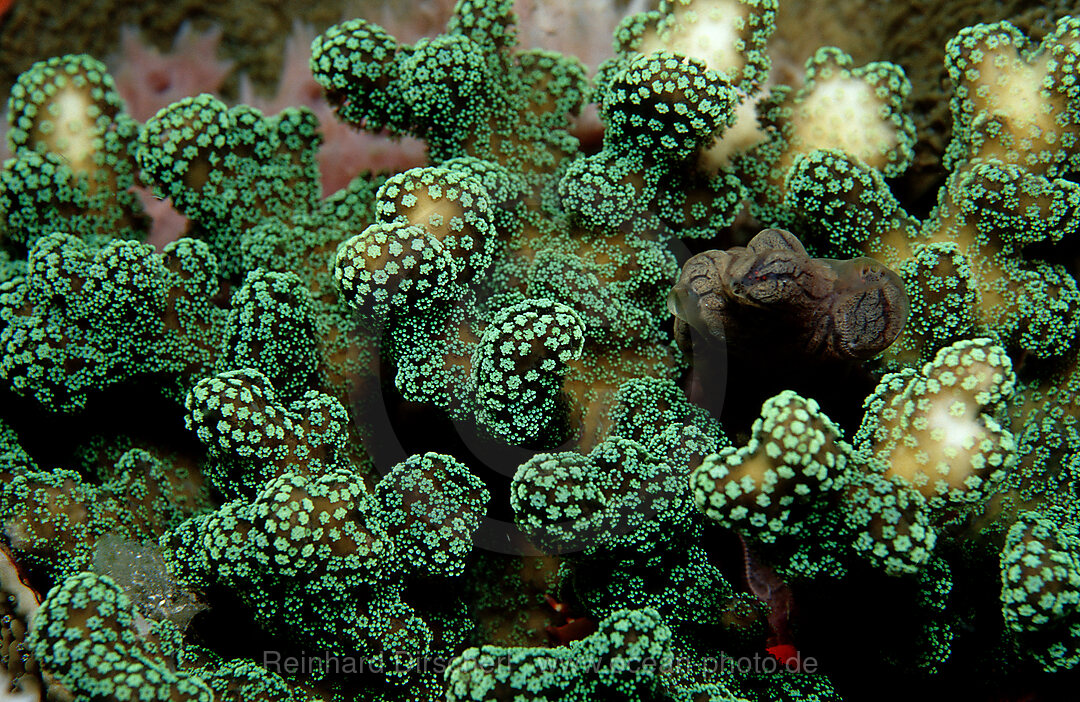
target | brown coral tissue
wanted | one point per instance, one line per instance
(771, 300)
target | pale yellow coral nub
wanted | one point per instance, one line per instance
(935, 433)
(75, 134)
(711, 30)
(843, 112)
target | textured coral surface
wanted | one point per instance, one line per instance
(699, 350)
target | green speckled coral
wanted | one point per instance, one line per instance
(231, 168)
(87, 628)
(74, 150)
(928, 446)
(762, 488)
(320, 558)
(625, 658)
(55, 518)
(435, 425)
(85, 317)
(251, 436)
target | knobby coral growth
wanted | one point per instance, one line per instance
(359, 390)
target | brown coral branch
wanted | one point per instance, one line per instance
(771, 300)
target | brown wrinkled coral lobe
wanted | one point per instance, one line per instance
(771, 300)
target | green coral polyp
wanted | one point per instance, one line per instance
(450, 205)
(928, 447)
(123, 662)
(666, 104)
(615, 498)
(74, 149)
(322, 557)
(393, 266)
(624, 657)
(793, 455)
(356, 63)
(1028, 118)
(252, 436)
(86, 318)
(1039, 580)
(231, 167)
(518, 366)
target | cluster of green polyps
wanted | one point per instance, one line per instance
(518, 287)
(969, 273)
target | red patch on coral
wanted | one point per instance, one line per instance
(571, 629)
(786, 654)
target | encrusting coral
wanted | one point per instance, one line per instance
(430, 436)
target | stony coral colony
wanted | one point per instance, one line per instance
(589, 531)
